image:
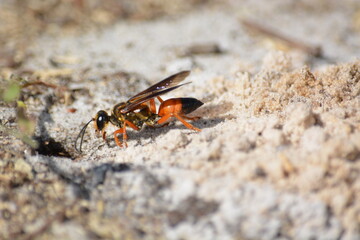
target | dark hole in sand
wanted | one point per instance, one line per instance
(50, 147)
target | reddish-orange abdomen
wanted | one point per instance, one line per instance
(179, 106)
(170, 106)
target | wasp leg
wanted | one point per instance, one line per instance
(104, 137)
(160, 99)
(180, 118)
(152, 106)
(188, 125)
(154, 124)
(164, 118)
(130, 124)
(122, 131)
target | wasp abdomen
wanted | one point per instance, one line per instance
(179, 106)
(189, 105)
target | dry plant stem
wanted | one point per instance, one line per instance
(315, 51)
(202, 49)
(39, 83)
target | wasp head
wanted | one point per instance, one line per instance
(101, 120)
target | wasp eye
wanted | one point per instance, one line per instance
(102, 119)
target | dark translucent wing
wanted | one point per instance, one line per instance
(131, 106)
(162, 87)
(169, 82)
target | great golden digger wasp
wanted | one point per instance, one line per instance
(141, 109)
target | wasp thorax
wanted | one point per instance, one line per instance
(101, 120)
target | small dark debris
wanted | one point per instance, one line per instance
(205, 48)
(260, 172)
(71, 110)
(318, 121)
(141, 233)
(201, 49)
(84, 210)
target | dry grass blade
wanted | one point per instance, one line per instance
(315, 51)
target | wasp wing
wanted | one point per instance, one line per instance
(130, 106)
(168, 82)
(162, 87)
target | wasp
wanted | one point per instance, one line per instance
(141, 109)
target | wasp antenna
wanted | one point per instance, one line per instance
(81, 135)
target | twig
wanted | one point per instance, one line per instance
(200, 49)
(315, 51)
(39, 83)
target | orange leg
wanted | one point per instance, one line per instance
(104, 135)
(123, 132)
(164, 118)
(160, 99)
(188, 125)
(130, 124)
(152, 106)
(181, 119)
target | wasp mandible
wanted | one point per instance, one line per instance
(141, 109)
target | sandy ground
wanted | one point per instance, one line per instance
(278, 156)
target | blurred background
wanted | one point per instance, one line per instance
(328, 26)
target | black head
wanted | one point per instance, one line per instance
(101, 120)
